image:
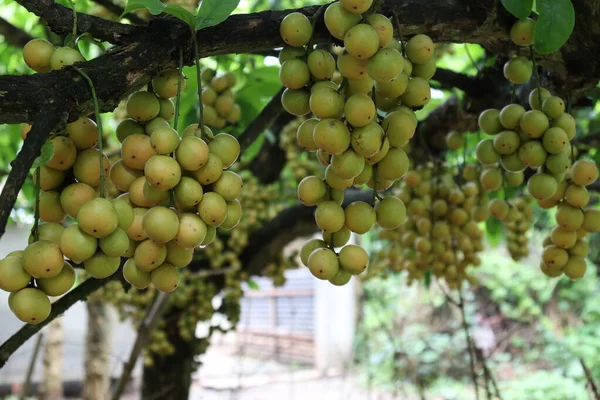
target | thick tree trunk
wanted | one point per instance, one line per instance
(170, 377)
(96, 384)
(53, 361)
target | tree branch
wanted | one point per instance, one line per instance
(262, 122)
(13, 35)
(81, 292)
(32, 146)
(118, 10)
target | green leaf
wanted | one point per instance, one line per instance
(519, 8)
(253, 150)
(154, 6)
(554, 26)
(213, 12)
(252, 284)
(181, 13)
(45, 155)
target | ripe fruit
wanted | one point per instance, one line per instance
(521, 33)
(295, 29)
(419, 49)
(339, 20)
(76, 244)
(37, 54)
(42, 259)
(13, 276)
(31, 305)
(359, 217)
(323, 263)
(60, 284)
(64, 56)
(311, 190)
(135, 276)
(165, 83)
(329, 216)
(518, 70)
(353, 259)
(98, 218)
(143, 106)
(584, 172)
(226, 147)
(165, 278)
(101, 266)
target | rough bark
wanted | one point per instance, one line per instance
(52, 388)
(171, 376)
(96, 385)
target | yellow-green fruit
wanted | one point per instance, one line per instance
(553, 107)
(577, 195)
(569, 217)
(42, 259)
(584, 172)
(295, 29)
(393, 89)
(165, 278)
(332, 136)
(555, 257)
(155, 124)
(178, 256)
(514, 179)
(31, 306)
(591, 220)
(323, 263)
(383, 27)
(575, 267)
(98, 217)
(489, 121)
(360, 110)
(338, 20)
(555, 140)
(534, 123)
(347, 165)
(87, 167)
(385, 65)
(212, 209)
(160, 224)
(192, 153)
(419, 49)
(356, 6)
(285, 54)
(563, 238)
(329, 216)
(293, 74)
(336, 181)
(49, 207)
(37, 54)
(65, 56)
(359, 217)
(296, 101)
(326, 103)
(542, 186)
(339, 238)
(308, 247)
(426, 70)
(143, 106)
(211, 171)
(533, 153)
(581, 248)
(366, 141)
(226, 147)
(229, 185)
(188, 192)
(394, 165)
(13, 276)
(60, 284)
(115, 244)
(417, 94)
(167, 109)
(168, 83)
(83, 132)
(521, 33)
(164, 173)
(234, 215)
(135, 276)
(399, 128)
(390, 212)
(361, 41)
(534, 98)
(566, 122)
(191, 231)
(510, 116)
(321, 64)
(506, 142)
(77, 245)
(304, 134)
(374, 159)
(50, 231)
(49, 178)
(164, 140)
(311, 190)
(124, 211)
(123, 176)
(351, 67)
(499, 208)
(341, 278)
(101, 266)
(149, 255)
(65, 153)
(353, 259)
(518, 70)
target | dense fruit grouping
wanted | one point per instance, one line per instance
(356, 144)
(171, 193)
(538, 139)
(218, 99)
(441, 234)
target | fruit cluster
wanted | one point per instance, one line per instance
(441, 232)
(218, 99)
(41, 56)
(355, 143)
(566, 248)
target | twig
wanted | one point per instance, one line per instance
(32, 146)
(118, 10)
(471, 58)
(34, 356)
(465, 325)
(262, 121)
(147, 325)
(13, 35)
(81, 292)
(590, 380)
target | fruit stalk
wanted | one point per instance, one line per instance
(74, 22)
(178, 99)
(196, 58)
(99, 124)
(537, 75)
(36, 217)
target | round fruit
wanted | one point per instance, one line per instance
(321, 64)
(135, 276)
(165, 278)
(295, 74)
(77, 245)
(160, 224)
(383, 27)
(74, 196)
(143, 106)
(339, 20)
(60, 284)
(521, 33)
(296, 101)
(98, 217)
(311, 190)
(192, 153)
(101, 266)
(296, 29)
(329, 216)
(419, 49)
(191, 231)
(87, 167)
(212, 209)
(31, 306)
(361, 41)
(323, 263)
(13, 276)
(584, 172)
(359, 217)
(339, 238)
(42, 259)
(164, 140)
(64, 56)
(37, 54)
(353, 259)
(518, 70)
(386, 65)
(166, 83)
(149, 255)
(226, 147)
(575, 268)
(178, 256)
